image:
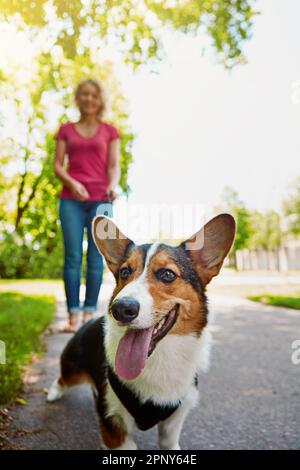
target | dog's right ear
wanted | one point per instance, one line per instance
(110, 241)
(208, 247)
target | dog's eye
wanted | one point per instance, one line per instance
(165, 275)
(125, 273)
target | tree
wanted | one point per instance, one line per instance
(134, 26)
(291, 207)
(69, 38)
(267, 234)
(31, 239)
(254, 228)
(230, 202)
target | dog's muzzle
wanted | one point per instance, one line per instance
(125, 310)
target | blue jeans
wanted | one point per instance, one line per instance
(74, 216)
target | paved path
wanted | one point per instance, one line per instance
(250, 397)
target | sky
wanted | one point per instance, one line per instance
(200, 128)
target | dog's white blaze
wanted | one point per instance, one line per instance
(138, 289)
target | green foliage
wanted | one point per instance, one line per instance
(232, 204)
(68, 38)
(32, 247)
(21, 259)
(126, 160)
(22, 320)
(277, 300)
(244, 228)
(227, 22)
(135, 25)
(31, 241)
(291, 207)
(266, 231)
(255, 230)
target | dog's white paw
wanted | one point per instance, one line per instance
(55, 392)
(176, 447)
(128, 444)
(170, 446)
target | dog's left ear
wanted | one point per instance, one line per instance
(110, 241)
(210, 245)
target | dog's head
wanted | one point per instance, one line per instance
(159, 289)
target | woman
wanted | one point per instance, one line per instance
(92, 146)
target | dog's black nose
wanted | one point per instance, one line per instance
(125, 310)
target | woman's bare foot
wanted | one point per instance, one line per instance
(72, 325)
(87, 316)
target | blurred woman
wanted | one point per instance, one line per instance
(89, 183)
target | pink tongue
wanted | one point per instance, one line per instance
(132, 353)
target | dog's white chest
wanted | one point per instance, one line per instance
(171, 369)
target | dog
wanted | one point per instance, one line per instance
(143, 358)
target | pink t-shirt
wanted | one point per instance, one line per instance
(88, 158)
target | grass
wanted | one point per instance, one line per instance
(277, 300)
(23, 319)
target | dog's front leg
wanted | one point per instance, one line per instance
(115, 434)
(169, 430)
(116, 424)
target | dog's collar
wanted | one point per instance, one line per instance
(146, 414)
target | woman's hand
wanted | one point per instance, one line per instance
(79, 190)
(111, 195)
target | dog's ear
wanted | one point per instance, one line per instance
(209, 246)
(110, 241)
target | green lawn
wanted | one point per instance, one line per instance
(23, 319)
(277, 300)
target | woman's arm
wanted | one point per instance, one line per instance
(75, 186)
(114, 172)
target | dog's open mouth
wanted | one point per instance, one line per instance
(136, 346)
(162, 328)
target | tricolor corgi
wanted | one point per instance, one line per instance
(143, 357)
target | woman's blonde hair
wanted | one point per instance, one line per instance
(101, 92)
